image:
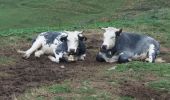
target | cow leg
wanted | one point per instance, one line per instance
(39, 53)
(123, 58)
(151, 54)
(57, 57)
(36, 45)
(113, 59)
(101, 57)
(82, 57)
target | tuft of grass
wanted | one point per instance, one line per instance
(40, 98)
(58, 98)
(86, 89)
(126, 98)
(59, 88)
(88, 98)
(4, 61)
(161, 69)
(160, 85)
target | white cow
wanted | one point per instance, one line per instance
(60, 44)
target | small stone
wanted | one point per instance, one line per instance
(62, 66)
(112, 68)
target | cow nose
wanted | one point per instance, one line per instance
(104, 47)
(72, 51)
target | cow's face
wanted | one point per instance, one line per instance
(109, 37)
(72, 39)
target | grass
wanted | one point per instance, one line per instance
(126, 98)
(66, 91)
(25, 18)
(53, 13)
(5, 61)
(158, 74)
(59, 89)
(163, 85)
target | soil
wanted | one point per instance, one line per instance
(139, 91)
(33, 72)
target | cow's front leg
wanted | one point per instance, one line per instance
(151, 54)
(39, 53)
(113, 59)
(82, 57)
(124, 57)
(56, 58)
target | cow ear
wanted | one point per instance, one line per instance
(63, 38)
(118, 32)
(82, 37)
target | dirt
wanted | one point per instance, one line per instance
(139, 91)
(33, 72)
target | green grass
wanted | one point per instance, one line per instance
(160, 85)
(66, 91)
(59, 89)
(138, 71)
(25, 18)
(86, 89)
(53, 13)
(126, 98)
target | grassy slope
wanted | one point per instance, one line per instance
(23, 18)
(53, 13)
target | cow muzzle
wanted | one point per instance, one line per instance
(72, 52)
(104, 47)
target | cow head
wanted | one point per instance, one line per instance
(109, 37)
(73, 38)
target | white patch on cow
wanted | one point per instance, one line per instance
(40, 42)
(73, 40)
(109, 37)
(57, 57)
(35, 46)
(82, 57)
(142, 56)
(151, 52)
(39, 53)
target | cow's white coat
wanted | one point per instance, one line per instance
(41, 47)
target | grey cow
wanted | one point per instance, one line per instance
(66, 45)
(123, 47)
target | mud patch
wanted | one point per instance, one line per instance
(35, 72)
(140, 92)
(165, 52)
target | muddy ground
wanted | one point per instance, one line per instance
(35, 72)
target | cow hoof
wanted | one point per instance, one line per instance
(53, 59)
(37, 55)
(25, 56)
(99, 58)
(123, 59)
(71, 58)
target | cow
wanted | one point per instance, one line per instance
(123, 47)
(66, 45)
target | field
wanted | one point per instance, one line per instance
(40, 79)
